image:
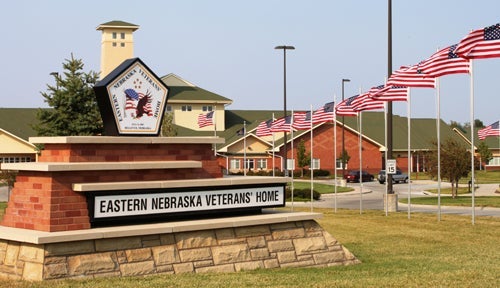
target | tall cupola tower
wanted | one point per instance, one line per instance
(117, 44)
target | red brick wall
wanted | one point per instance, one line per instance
(323, 140)
(45, 201)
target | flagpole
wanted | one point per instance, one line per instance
(293, 157)
(473, 212)
(385, 158)
(244, 149)
(273, 154)
(360, 122)
(312, 161)
(215, 130)
(335, 150)
(409, 151)
(438, 131)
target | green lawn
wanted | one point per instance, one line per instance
(395, 252)
(483, 201)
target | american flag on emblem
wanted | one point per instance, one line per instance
(324, 114)
(264, 128)
(206, 119)
(444, 62)
(480, 43)
(410, 76)
(302, 120)
(364, 102)
(389, 93)
(490, 130)
(345, 108)
(282, 124)
(131, 97)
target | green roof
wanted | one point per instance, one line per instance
(423, 130)
(190, 93)
(19, 121)
(118, 23)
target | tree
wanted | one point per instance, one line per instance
(455, 124)
(9, 178)
(75, 110)
(303, 158)
(455, 163)
(484, 152)
(344, 157)
(167, 126)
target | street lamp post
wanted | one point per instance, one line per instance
(284, 48)
(56, 75)
(343, 142)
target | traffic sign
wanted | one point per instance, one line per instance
(390, 166)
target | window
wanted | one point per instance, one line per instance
(186, 108)
(495, 161)
(235, 164)
(114, 35)
(122, 35)
(315, 164)
(122, 44)
(262, 164)
(250, 164)
(290, 164)
(114, 44)
(169, 108)
(207, 108)
(339, 164)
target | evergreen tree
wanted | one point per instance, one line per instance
(75, 110)
(167, 126)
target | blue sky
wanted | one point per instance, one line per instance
(227, 47)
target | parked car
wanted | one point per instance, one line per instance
(396, 178)
(353, 176)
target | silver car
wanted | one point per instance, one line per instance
(396, 178)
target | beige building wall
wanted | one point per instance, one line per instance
(117, 44)
(15, 149)
(189, 119)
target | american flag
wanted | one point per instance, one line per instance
(389, 93)
(491, 130)
(131, 97)
(282, 124)
(410, 76)
(324, 114)
(364, 102)
(345, 108)
(480, 43)
(444, 62)
(264, 128)
(206, 119)
(302, 120)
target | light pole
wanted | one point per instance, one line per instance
(284, 48)
(343, 142)
(56, 75)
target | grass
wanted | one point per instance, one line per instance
(395, 252)
(3, 205)
(483, 201)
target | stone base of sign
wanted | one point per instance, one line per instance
(271, 240)
(391, 202)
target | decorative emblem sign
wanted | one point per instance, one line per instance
(132, 100)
